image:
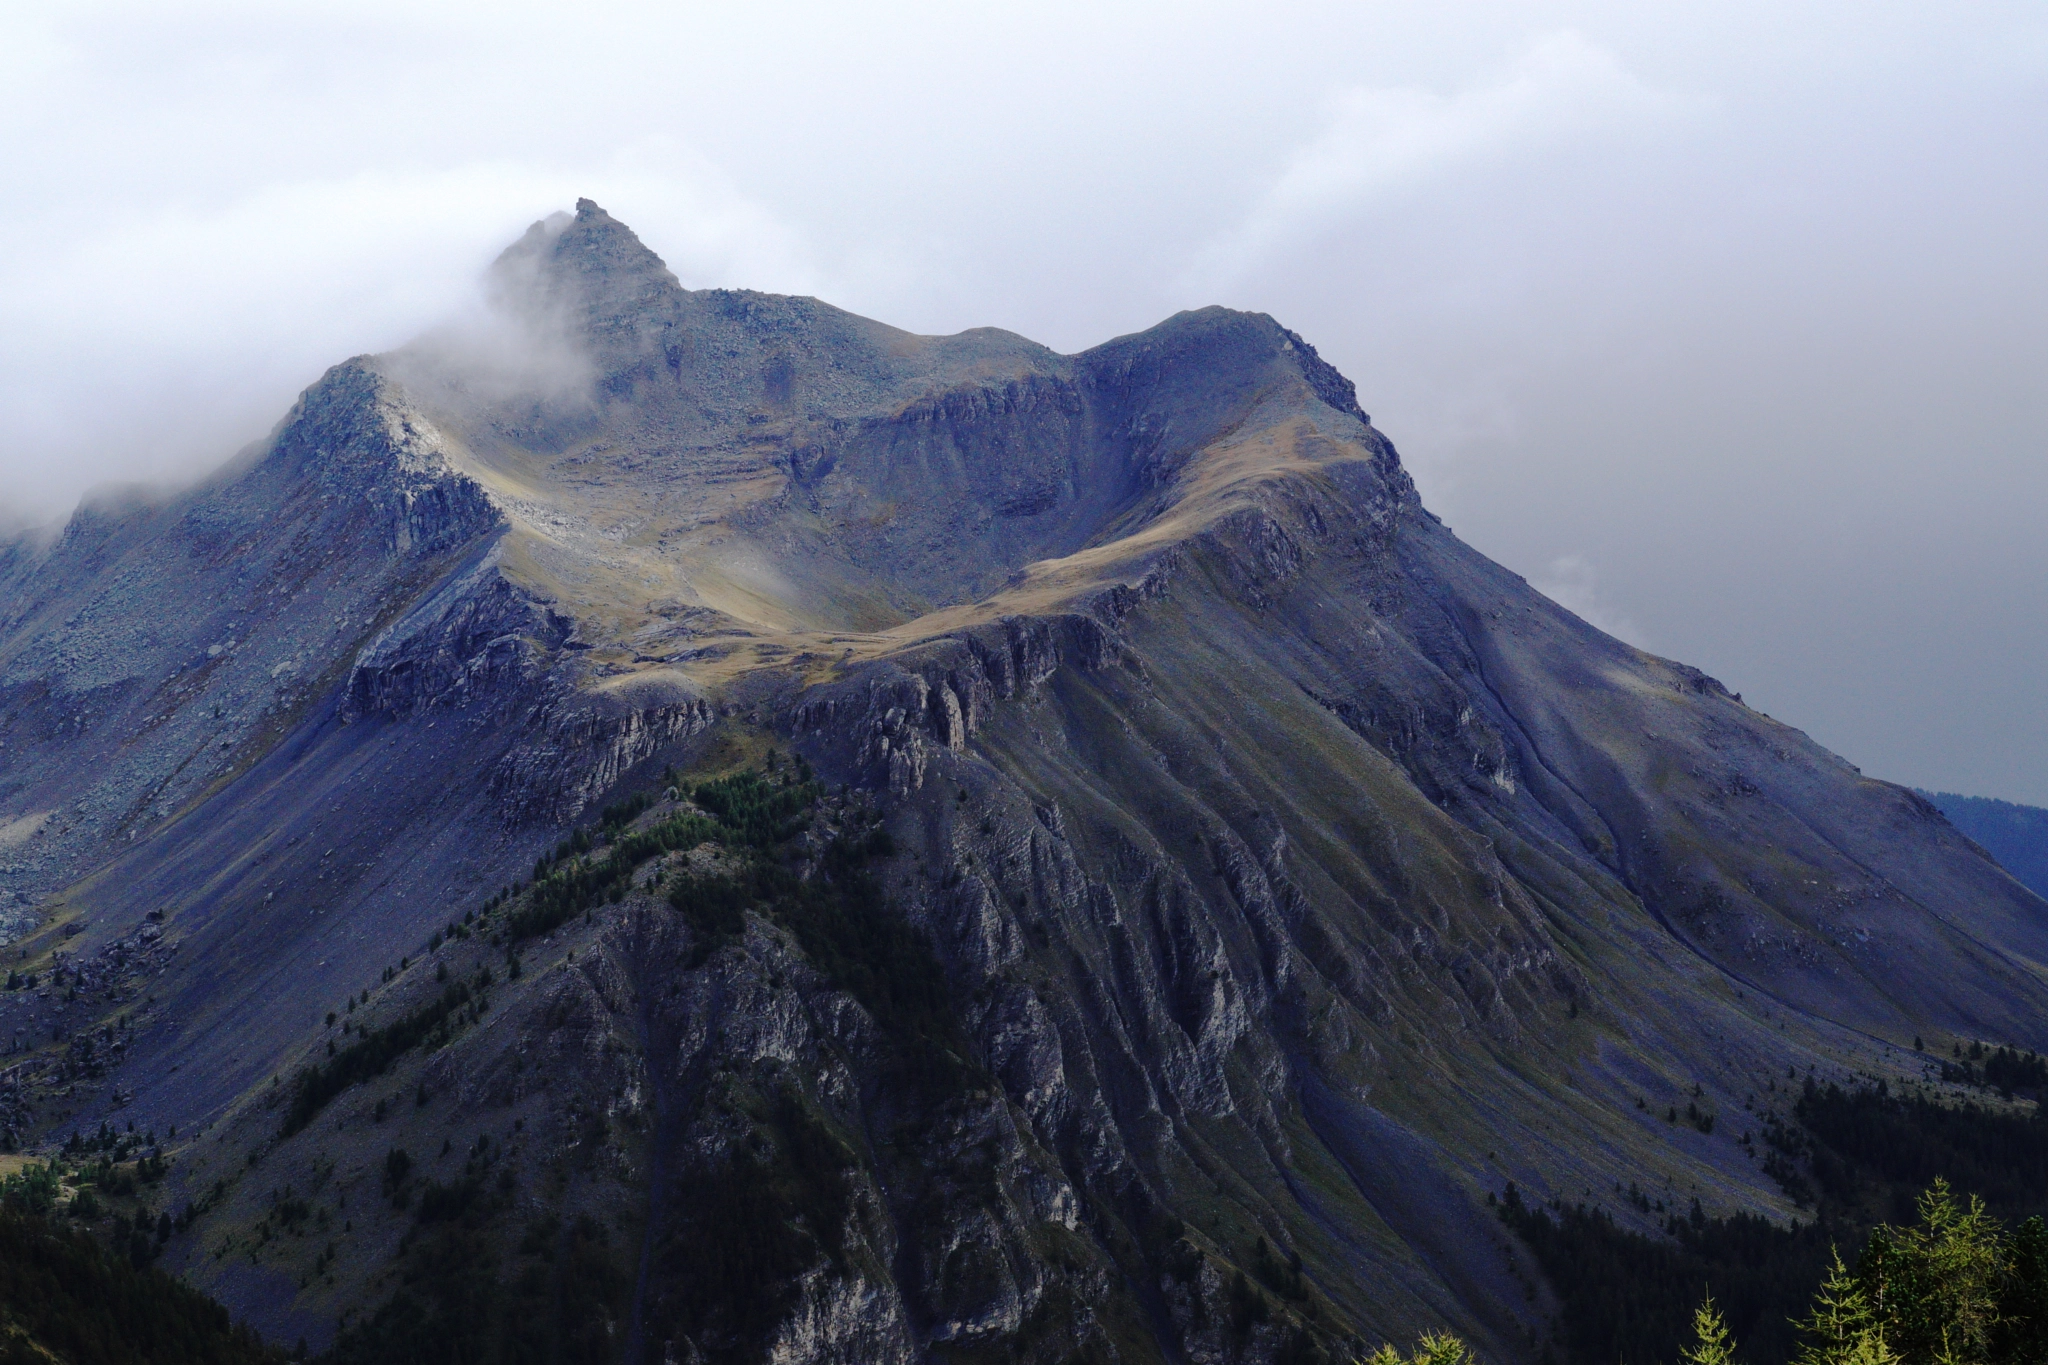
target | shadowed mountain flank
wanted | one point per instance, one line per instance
(2017, 836)
(787, 839)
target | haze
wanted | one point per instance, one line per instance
(1725, 326)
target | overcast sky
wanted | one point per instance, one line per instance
(1726, 325)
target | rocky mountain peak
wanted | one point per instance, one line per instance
(587, 279)
(1053, 856)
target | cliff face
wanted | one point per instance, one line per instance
(1267, 875)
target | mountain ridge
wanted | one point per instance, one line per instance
(1296, 876)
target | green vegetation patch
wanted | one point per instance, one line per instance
(32, 1189)
(749, 1222)
(569, 884)
(558, 1299)
(1625, 1296)
(1857, 1158)
(759, 810)
(2005, 1069)
(748, 810)
(474, 1291)
(64, 1297)
(372, 1054)
(1865, 1154)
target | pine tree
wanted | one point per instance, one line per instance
(1435, 1348)
(1935, 1287)
(2023, 1299)
(1868, 1349)
(1713, 1346)
(1841, 1324)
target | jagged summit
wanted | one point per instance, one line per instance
(593, 265)
(1251, 876)
(886, 476)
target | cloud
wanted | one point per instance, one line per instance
(1573, 583)
(156, 342)
(1381, 144)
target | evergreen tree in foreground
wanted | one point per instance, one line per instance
(1956, 1289)
(1713, 1346)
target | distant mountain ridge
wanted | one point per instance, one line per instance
(712, 828)
(2016, 835)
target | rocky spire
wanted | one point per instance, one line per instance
(589, 272)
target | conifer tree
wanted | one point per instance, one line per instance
(2023, 1299)
(1712, 1346)
(1842, 1322)
(1935, 1287)
(1436, 1348)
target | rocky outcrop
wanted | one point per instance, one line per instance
(571, 749)
(356, 439)
(479, 640)
(888, 716)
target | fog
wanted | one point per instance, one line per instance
(1726, 326)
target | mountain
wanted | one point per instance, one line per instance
(698, 826)
(2017, 836)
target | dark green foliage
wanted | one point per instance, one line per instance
(372, 1054)
(63, 1291)
(33, 1189)
(863, 946)
(397, 1166)
(558, 1299)
(1858, 1158)
(2009, 1070)
(751, 809)
(1247, 1306)
(1299, 1347)
(622, 813)
(1955, 1288)
(572, 884)
(2023, 1300)
(715, 907)
(1872, 1152)
(289, 1210)
(558, 1302)
(747, 1224)
(852, 851)
(107, 1142)
(2006, 1070)
(749, 1227)
(759, 811)
(1625, 1296)
(442, 1203)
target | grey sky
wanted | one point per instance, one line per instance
(1725, 325)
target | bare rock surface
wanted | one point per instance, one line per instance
(1289, 876)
